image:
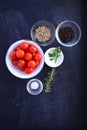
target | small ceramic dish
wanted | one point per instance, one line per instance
(52, 63)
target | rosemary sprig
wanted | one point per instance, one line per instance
(49, 80)
(55, 54)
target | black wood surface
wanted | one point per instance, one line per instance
(65, 107)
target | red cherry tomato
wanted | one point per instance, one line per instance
(24, 45)
(28, 56)
(29, 70)
(32, 49)
(20, 53)
(37, 63)
(21, 63)
(18, 48)
(38, 57)
(13, 55)
(22, 68)
(31, 64)
(33, 54)
(14, 62)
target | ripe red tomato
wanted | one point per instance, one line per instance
(37, 63)
(18, 48)
(33, 54)
(21, 63)
(28, 56)
(20, 53)
(32, 49)
(14, 62)
(29, 70)
(31, 64)
(24, 45)
(38, 57)
(22, 68)
(13, 55)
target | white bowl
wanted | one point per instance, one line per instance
(15, 71)
(76, 29)
(52, 63)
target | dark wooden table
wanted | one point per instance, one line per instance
(65, 106)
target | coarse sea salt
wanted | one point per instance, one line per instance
(34, 85)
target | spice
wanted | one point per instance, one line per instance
(43, 34)
(66, 34)
(34, 85)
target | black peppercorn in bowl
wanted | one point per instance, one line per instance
(68, 33)
(43, 33)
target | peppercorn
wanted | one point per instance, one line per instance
(66, 34)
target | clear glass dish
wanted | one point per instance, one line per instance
(34, 86)
(76, 29)
(46, 24)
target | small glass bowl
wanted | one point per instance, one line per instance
(46, 24)
(34, 86)
(76, 29)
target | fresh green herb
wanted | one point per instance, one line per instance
(49, 80)
(55, 54)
